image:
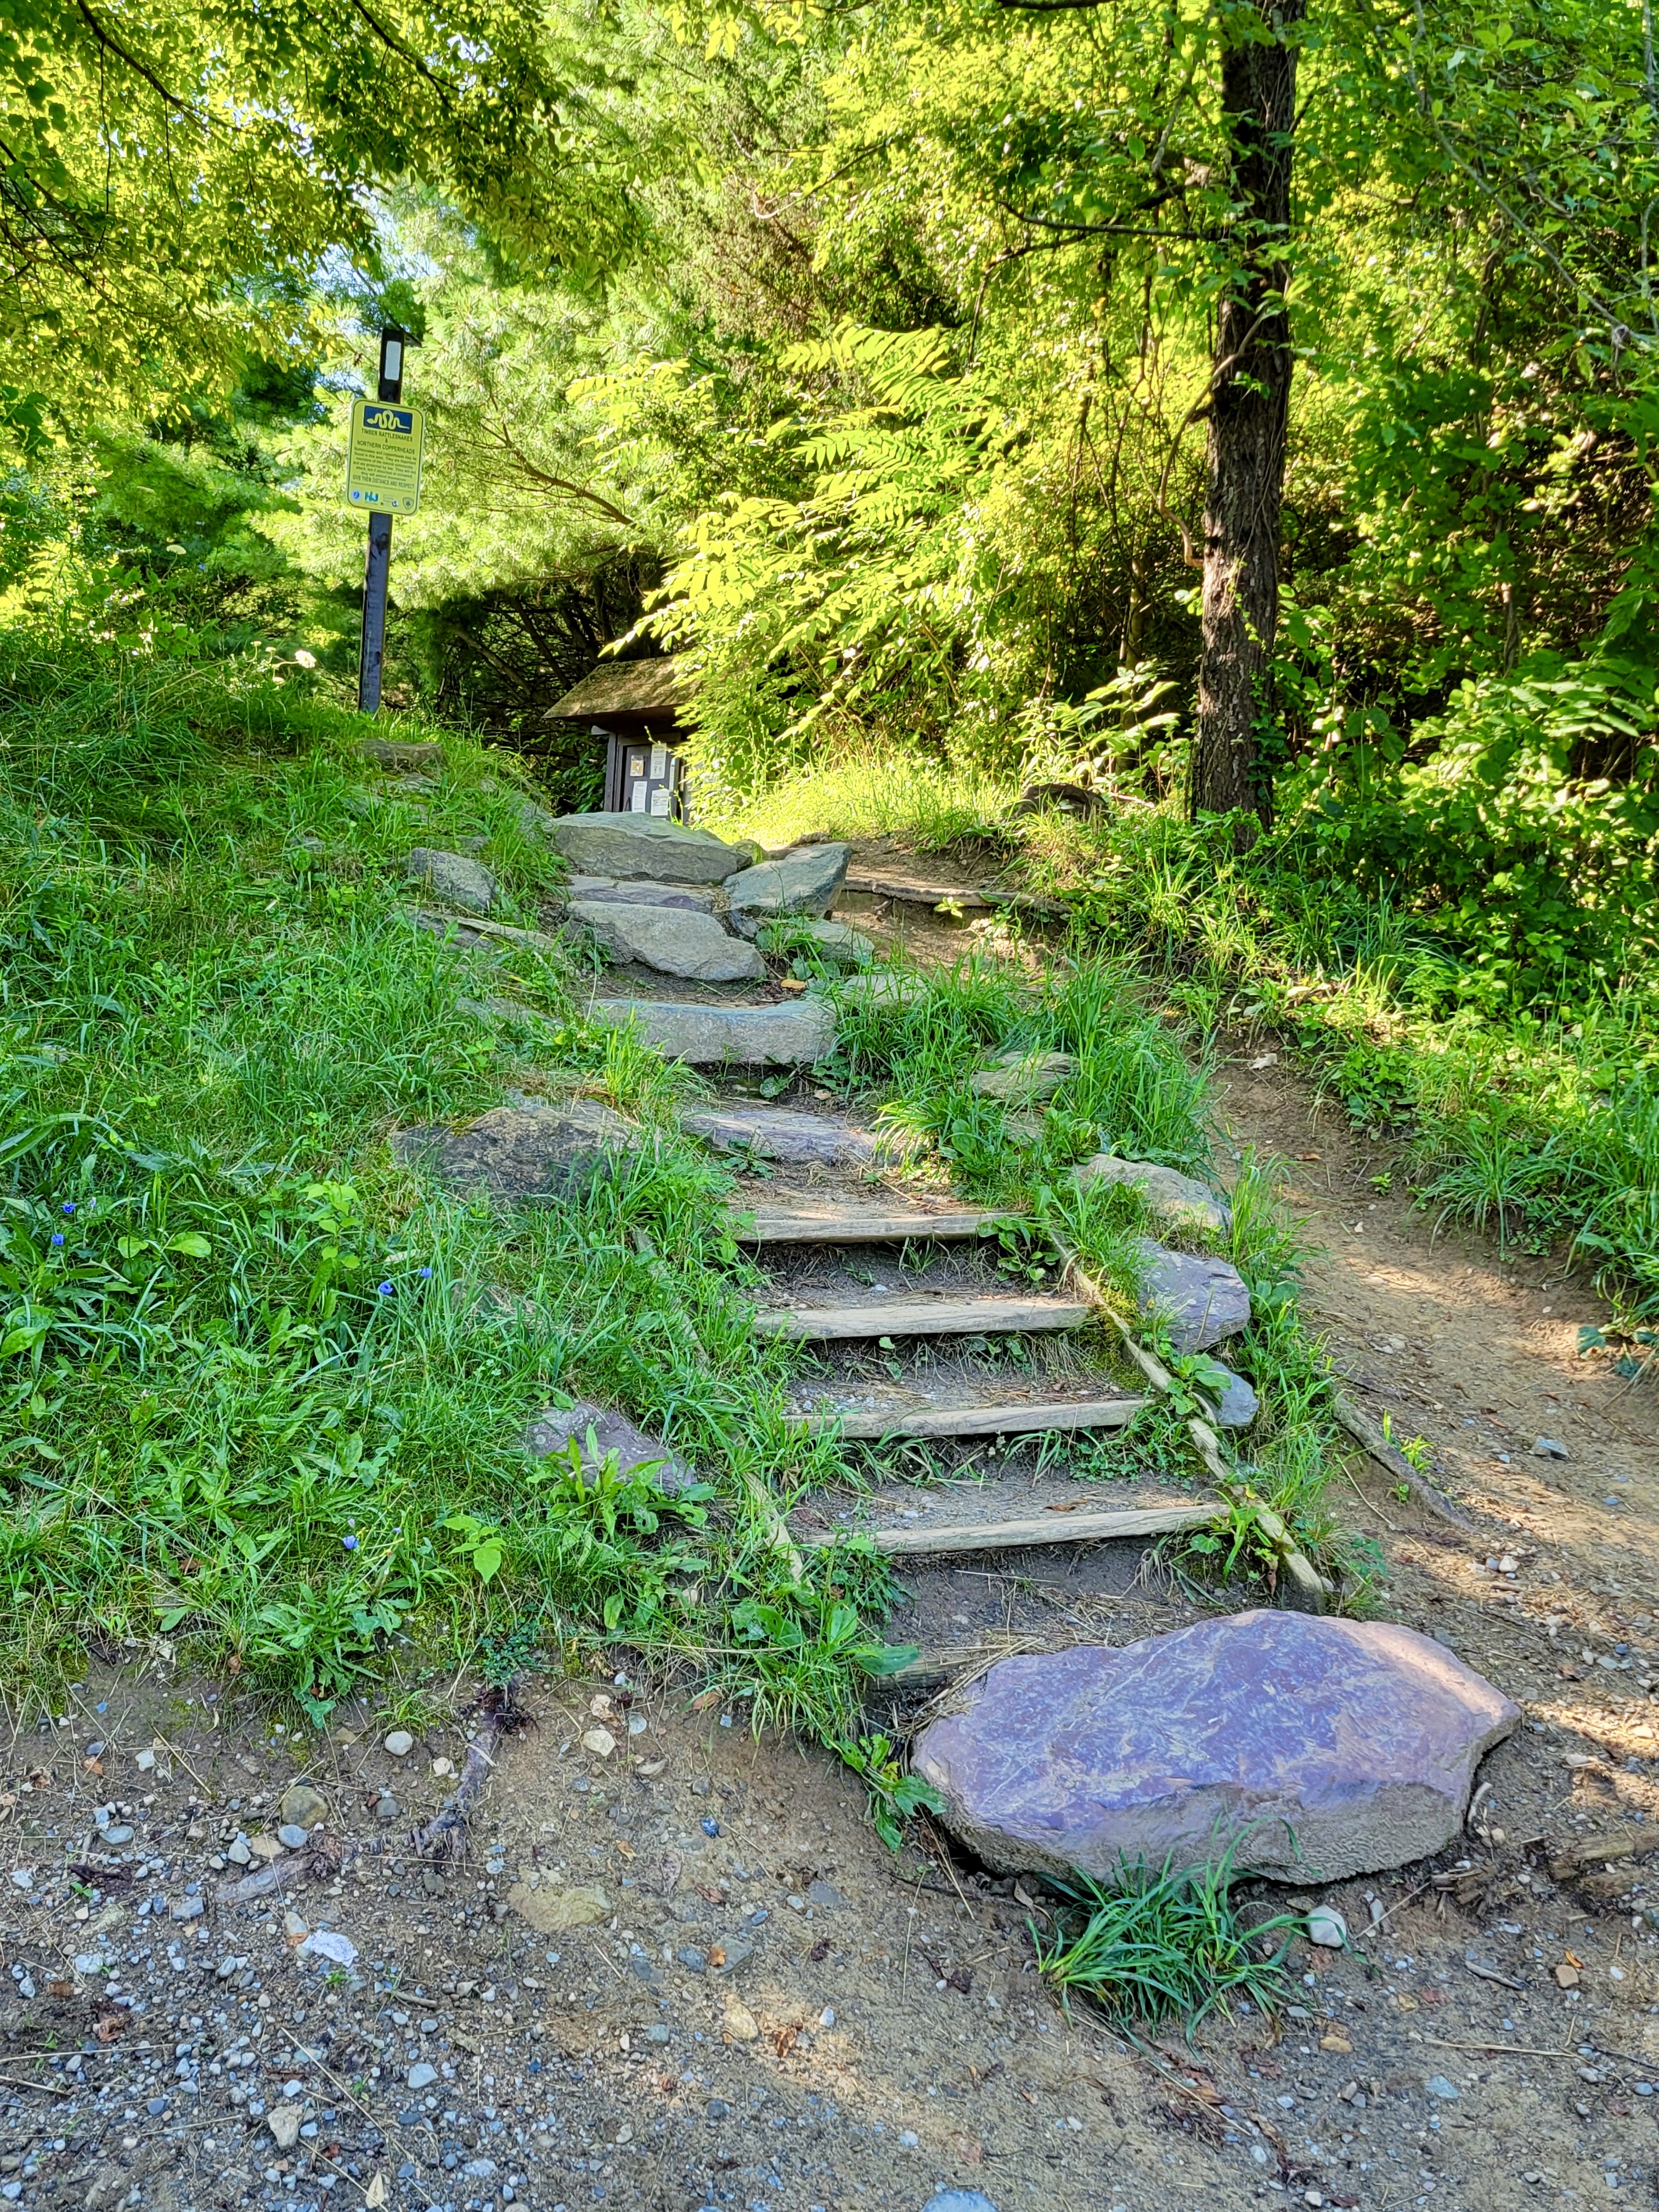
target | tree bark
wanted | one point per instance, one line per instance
(1250, 401)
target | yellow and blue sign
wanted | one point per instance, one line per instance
(383, 460)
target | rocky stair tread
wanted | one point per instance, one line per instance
(783, 1133)
(792, 1034)
(837, 1219)
(1082, 1526)
(933, 1316)
(864, 1414)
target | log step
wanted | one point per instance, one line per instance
(839, 1220)
(940, 1317)
(914, 1416)
(1081, 1526)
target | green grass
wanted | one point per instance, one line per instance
(264, 1388)
(1150, 1945)
(1534, 1118)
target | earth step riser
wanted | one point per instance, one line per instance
(974, 1420)
(937, 1317)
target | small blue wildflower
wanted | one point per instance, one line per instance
(69, 1205)
(56, 1236)
(426, 1274)
(350, 1543)
(385, 1289)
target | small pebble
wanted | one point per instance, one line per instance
(240, 1853)
(400, 1743)
(1438, 2086)
(1326, 1928)
(709, 1824)
(292, 1835)
(119, 1834)
(144, 1761)
(422, 2076)
(386, 1808)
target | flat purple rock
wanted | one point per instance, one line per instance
(1319, 1748)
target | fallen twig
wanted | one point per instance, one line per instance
(1628, 1844)
(1368, 1433)
(444, 1836)
(1490, 1974)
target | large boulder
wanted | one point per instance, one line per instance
(804, 881)
(671, 941)
(454, 877)
(792, 1035)
(529, 1152)
(639, 845)
(1182, 1200)
(1313, 1749)
(1200, 1300)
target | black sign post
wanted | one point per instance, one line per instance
(378, 566)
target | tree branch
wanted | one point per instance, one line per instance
(113, 45)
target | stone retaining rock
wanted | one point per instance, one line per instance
(638, 845)
(1202, 1299)
(399, 755)
(523, 1151)
(1182, 1200)
(671, 941)
(792, 1035)
(552, 1431)
(690, 898)
(455, 878)
(839, 940)
(1024, 1077)
(1237, 1405)
(1318, 1749)
(804, 882)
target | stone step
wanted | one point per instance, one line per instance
(803, 1218)
(1082, 1526)
(791, 1035)
(934, 1316)
(866, 1412)
(779, 1133)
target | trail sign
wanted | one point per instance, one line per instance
(383, 460)
(383, 473)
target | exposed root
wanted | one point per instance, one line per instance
(497, 1713)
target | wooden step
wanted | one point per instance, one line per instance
(907, 1414)
(1082, 1527)
(833, 1219)
(939, 1316)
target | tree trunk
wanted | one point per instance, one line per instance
(1250, 399)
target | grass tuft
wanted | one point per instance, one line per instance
(1151, 1946)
